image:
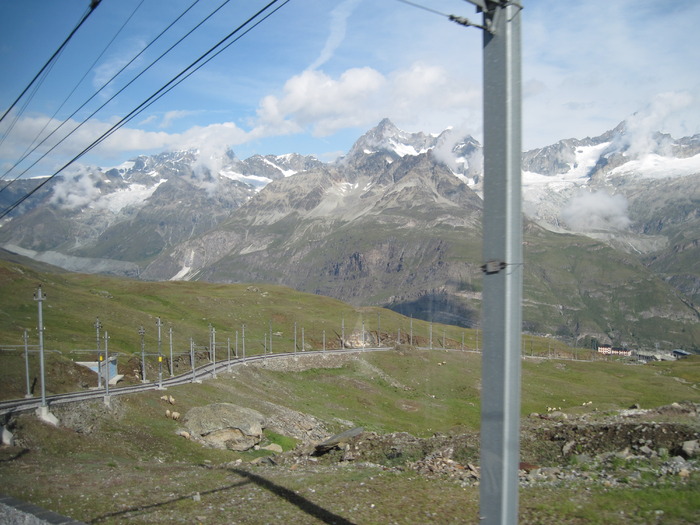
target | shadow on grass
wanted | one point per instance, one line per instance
(164, 503)
(292, 497)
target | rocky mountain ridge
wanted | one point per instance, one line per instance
(397, 222)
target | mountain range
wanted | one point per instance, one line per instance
(612, 229)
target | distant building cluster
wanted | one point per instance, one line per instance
(642, 355)
(613, 350)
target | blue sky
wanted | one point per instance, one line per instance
(319, 73)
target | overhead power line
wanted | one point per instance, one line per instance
(160, 57)
(31, 148)
(176, 80)
(93, 5)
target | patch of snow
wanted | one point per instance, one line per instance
(469, 181)
(132, 195)
(286, 173)
(654, 166)
(185, 271)
(404, 149)
(253, 180)
(586, 159)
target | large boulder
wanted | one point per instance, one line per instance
(225, 426)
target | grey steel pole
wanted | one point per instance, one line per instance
(342, 332)
(39, 297)
(213, 349)
(228, 353)
(26, 363)
(142, 332)
(194, 372)
(243, 339)
(172, 370)
(502, 252)
(107, 362)
(295, 337)
(303, 343)
(160, 354)
(97, 346)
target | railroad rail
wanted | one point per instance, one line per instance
(206, 371)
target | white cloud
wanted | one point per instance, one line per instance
(171, 116)
(587, 211)
(339, 23)
(363, 96)
(74, 189)
(655, 117)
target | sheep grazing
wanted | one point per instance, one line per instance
(167, 413)
(185, 434)
(171, 400)
(175, 416)
(163, 398)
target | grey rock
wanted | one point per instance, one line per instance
(225, 426)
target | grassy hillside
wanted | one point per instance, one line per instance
(264, 312)
(151, 475)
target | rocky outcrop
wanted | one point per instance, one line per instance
(225, 426)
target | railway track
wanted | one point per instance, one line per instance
(202, 372)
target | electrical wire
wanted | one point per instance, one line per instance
(102, 88)
(93, 5)
(29, 149)
(177, 79)
(424, 8)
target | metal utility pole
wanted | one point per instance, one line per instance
(172, 372)
(160, 355)
(142, 332)
(26, 364)
(213, 349)
(39, 297)
(503, 260)
(107, 361)
(97, 346)
(194, 368)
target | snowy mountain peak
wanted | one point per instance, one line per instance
(387, 138)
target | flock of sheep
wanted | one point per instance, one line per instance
(170, 415)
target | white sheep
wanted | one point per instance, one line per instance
(167, 413)
(175, 416)
(171, 400)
